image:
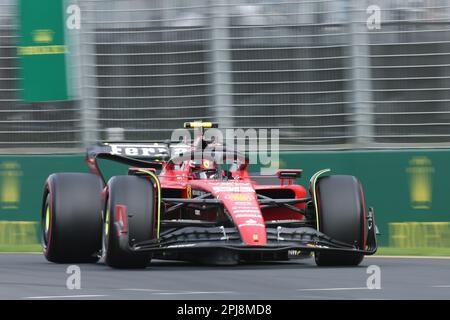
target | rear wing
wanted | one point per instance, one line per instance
(142, 155)
(143, 151)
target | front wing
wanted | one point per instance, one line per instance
(279, 240)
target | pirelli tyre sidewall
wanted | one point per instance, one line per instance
(341, 214)
(137, 196)
(71, 218)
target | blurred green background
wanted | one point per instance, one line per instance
(408, 189)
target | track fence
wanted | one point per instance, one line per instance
(318, 70)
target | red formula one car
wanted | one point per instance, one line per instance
(186, 205)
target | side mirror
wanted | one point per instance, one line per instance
(289, 173)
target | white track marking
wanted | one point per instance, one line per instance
(169, 292)
(72, 296)
(141, 290)
(335, 289)
(195, 292)
(442, 286)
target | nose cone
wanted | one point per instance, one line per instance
(244, 209)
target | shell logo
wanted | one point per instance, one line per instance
(189, 192)
(43, 35)
(206, 164)
(421, 173)
(238, 197)
(10, 181)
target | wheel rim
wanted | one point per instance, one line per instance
(46, 221)
(105, 232)
(107, 222)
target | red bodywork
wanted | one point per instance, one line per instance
(238, 196)
(207, 203)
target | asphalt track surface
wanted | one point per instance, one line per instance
(30, 276)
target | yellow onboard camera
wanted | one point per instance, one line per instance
(198, 124)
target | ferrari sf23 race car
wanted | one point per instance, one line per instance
(187, 206)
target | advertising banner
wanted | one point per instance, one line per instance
(42, 51)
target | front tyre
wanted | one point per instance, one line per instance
(136, 197)
(341, 212)
(71, 218)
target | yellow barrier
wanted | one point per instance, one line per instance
(419, 234)
(19, 232)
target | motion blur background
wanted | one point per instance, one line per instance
(363, 99)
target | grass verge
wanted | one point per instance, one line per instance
(382, 251)
(20, 248)
(390, 251)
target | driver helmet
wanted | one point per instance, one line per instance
(204, 169)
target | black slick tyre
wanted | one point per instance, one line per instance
(136, 195)
(71, 218)
(340, 204)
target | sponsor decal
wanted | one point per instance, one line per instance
(228, 188)
(176, 150)
(43, 35)
(246, 210)
(421, 171)
(251, 225)
(42, 50)
(189, 192)
(232, 187)
(245, 204)
(10, 186)
(137, 150)
(248, 215)
(310, 245)
(198, 192)
(238, 197)
(182, 245)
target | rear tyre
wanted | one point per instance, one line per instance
(342, 217)
(137, 195)
(71, 218)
